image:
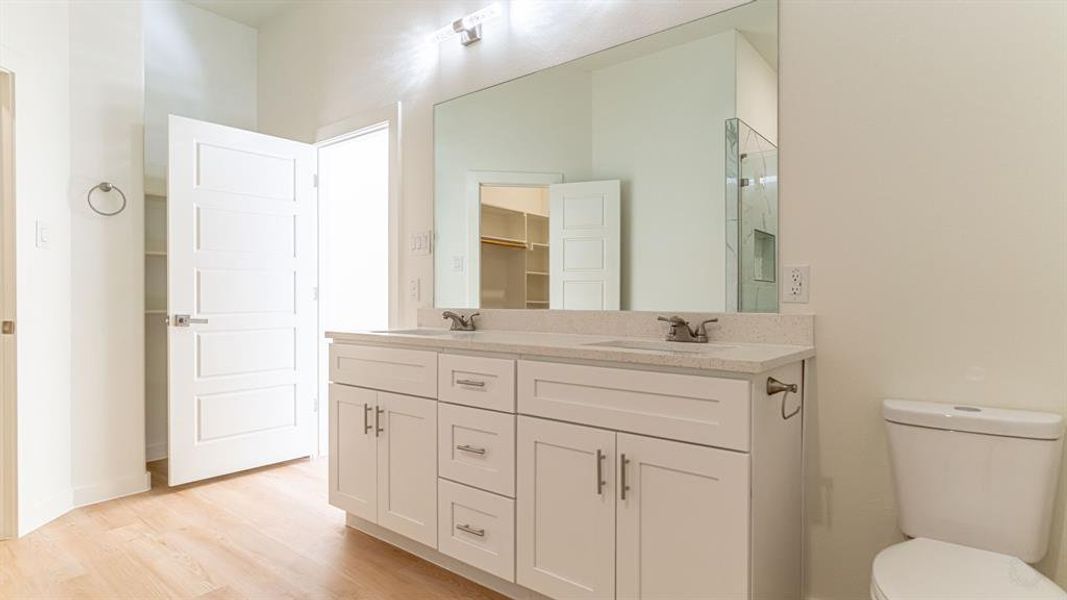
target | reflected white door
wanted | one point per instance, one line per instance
(584, 240)
(241, 252)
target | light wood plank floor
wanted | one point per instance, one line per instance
(268, 533)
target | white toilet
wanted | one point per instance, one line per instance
(975, 489)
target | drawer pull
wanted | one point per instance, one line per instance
(471, 449)
(471, 530)
(470, 383)
(600, 472)
(378, 429)
(366, 419)
(623, 486)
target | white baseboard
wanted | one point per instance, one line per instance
(154, 452)
(32, 516)
(109, 490)
(501, 586)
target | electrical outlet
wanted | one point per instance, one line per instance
(797, 284)
(414, 286)
(457, 263)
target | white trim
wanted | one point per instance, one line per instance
(109, 490)
(8, 354)
(475, 180)
(365, 122)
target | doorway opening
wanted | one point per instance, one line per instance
(356, 245)
(514, 253)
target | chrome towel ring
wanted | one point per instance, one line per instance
(105, 187)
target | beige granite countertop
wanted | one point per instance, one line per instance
(726, 356)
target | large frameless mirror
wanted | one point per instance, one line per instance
(643, 177)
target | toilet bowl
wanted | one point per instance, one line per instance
(925, 569)
(974, 489)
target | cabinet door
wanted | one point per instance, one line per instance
(565, 509)
(682, 521)
(353, 451)
(407, 466)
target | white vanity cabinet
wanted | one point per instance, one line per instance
(604, 514)
(572, 480)
(383, 445)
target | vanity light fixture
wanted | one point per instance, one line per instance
(469, 28)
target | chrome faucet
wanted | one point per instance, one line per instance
(680, 331)
(459, 322)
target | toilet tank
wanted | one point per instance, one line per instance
(980, 477)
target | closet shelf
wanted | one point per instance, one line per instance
(537, 273)
(502, 241)
(155, 252)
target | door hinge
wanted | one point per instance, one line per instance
(315, 293)
(7, 328)
(315, 180)
(316, 404)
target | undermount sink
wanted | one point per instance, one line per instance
(664, 346)
(421, 331)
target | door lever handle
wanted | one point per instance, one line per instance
(186, 320)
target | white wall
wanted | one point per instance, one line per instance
(107, 269)
(322, 62)
(659, 126)
(34, 44)
(923, 153)
(757, 91)
(197, 65)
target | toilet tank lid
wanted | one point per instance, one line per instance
(974, 419)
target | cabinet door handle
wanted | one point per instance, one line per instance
(623, 486)
(366, 419)
(470, 383)
(471, 530)
(378, 429)
(471, 449)
(600, 472)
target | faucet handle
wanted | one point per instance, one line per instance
(702, 329)
(673, 320)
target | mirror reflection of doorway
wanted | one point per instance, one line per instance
(514, 246)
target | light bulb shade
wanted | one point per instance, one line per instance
(469, 28)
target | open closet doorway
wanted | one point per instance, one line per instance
(357, 236)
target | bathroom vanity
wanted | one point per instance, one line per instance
(574, 466)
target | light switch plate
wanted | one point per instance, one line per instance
(796, 287)
(414, 291)
(420, 243)
(43, 235)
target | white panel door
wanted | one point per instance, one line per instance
(682, 521)
(242, 264)
(354, 451)
(565, 509)
(583, 245)
(407, 466)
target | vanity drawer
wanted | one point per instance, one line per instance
(477, 528)
(476, 447)
(703, 410)
(412, 372)
(477, 381)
